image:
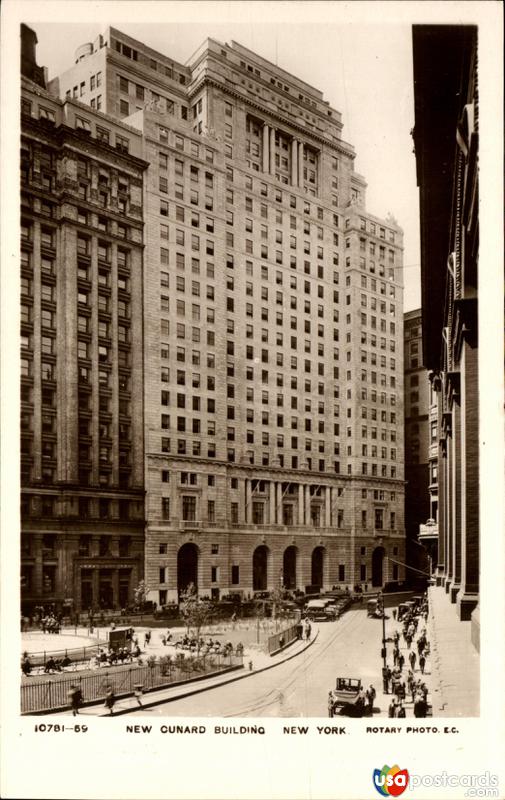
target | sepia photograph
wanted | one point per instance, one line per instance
(248, 406)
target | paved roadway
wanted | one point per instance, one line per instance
(298, 688)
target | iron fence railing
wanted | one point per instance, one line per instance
(283, 638)
(52, 694)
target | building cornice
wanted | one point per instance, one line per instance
(277, 115)
(63, 136)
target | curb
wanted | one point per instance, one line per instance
(247, 674)
(90, 703)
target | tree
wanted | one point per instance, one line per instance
(140, 594)
(195, 612)
(276, 598)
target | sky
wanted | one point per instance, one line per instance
(362, 66)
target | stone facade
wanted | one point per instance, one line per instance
(273, 327)
(447, 111)
(421, 448)
(82, 499)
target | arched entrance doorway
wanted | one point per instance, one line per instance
(289, 567)
(260, 568)
(377, 566)
(317, 578)
(187, 567)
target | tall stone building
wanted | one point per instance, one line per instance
(421, 449)
(82, 437)
(273, 327)
(446, 144)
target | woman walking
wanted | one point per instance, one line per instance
(110, 699)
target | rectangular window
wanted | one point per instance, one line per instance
(188, 508)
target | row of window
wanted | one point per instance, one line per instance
(140, 94)
(168, 71)
(371, 227)
(80, 89)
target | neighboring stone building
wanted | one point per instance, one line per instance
(82, 443)
(421, 450)
(446, 144)
(273, 327)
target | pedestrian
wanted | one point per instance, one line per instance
(412, 659)
(110, 698)
(389, 675)
(422, 663)
(360, 702)
(308, 630)
(392, 708)
(401, 661)
(401, 711)
(419, 706)
(75, 699)
(385, 680)
(370, 697)
(138, 693)
(330, 704)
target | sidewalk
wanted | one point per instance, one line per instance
(456, 665)
(383, 700)
(260, 662)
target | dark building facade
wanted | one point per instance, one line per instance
(82, 489)
(446, 146)
(421, 448)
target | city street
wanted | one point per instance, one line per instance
(349, 647)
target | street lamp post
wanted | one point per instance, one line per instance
(380, 604)
(383, 637)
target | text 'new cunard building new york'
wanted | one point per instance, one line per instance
(256, 317)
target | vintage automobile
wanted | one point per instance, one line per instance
(347, 698)
(319, 610)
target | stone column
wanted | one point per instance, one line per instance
(36, 543)
(272, 151)
(456, 502)
(449, 570)
(241, 498)
(300, 164)
(441, 520)
(301, 505)
(265, 153)
(327, 497)
(469, 594)
(294, 162)
(95, 589)
(248, 501)
(37, 383)
(115, 588)
(278, 503)
(441, 517)
(273, 500)
(307, 504)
